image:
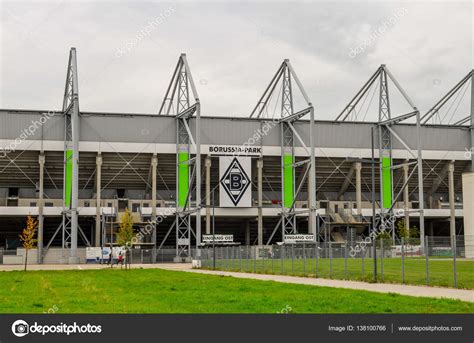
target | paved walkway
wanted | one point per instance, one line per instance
(417, 291)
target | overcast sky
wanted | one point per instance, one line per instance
(233, 50)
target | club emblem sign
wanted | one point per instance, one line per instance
(235, 190)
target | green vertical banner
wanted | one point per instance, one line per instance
(387, 182)
(288, 178)
(183, 177)
(68, 178)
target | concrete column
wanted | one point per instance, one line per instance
(207, 165)
(452, 200)
(40, 209)
(98, 185)
(406, 197)
(358, 168)
(260, 196)
(247, 232)
(154, 165)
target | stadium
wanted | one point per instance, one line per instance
(189, 179)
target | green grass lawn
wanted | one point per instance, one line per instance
(441, 271)
(160, 291)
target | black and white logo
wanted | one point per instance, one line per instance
(20, 328)
(235, 181)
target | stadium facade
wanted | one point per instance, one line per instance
(261, 179)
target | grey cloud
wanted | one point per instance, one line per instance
(233, 50)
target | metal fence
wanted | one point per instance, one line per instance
(163, 255)
(441, 261)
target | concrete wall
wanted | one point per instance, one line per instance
(468, 201)
(53, 256)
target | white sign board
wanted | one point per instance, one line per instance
(234, 150)
(296, 238)
(235, 175)
(218, 238)
(183, 241)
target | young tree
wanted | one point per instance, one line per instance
(28, 236)
(125, 234)
(402, 230)
(386, 238)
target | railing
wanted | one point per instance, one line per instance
(443, 261)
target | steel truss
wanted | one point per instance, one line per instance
(286, 76)
(433, 115)
(187, 143)
(386, 134)
(457, 92)
(69, 225)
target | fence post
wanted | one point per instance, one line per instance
(381, 258)
(282, 251)
(427, 262)
(220, 262)
(248, 259)
(330, 258)
(454, 260)
(345, 260)
(234, 257)
(292, 259)
(362, 254)
(254, 258)
(317, 258)
(224, 255)
(273, 257)
(304, 259)
(240, 258)
(263, 259)
(403, 260)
